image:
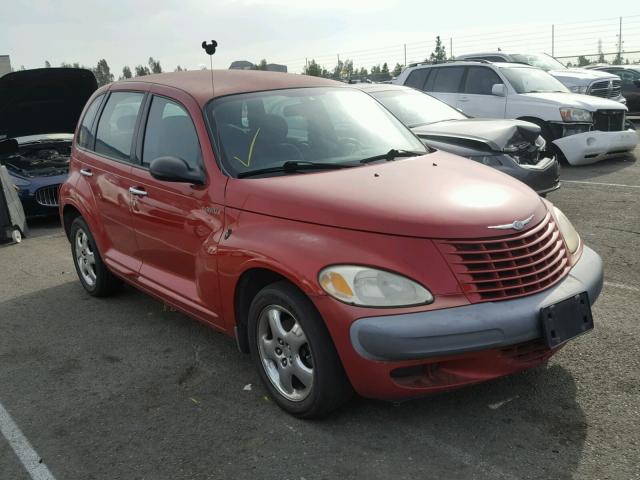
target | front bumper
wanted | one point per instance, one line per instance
(590, 147)
(469, 328)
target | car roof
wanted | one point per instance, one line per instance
(197, 83)
(474, 62)
(378, 87)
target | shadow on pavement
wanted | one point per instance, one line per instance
(125, 388)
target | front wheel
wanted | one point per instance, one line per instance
(294, 353)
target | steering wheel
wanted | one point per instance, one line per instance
(354, 143)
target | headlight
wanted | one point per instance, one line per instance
(370, 287)
(579, 89)
(571, 237)
(575, 115)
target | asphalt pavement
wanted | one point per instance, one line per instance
(125, 388)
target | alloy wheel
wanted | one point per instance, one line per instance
(85, 258)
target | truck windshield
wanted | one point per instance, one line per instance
(414, 108)
(532, 80)
(543, 61)
(320, 126)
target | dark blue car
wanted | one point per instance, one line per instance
(39, 110)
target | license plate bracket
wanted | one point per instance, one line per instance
(566, 319)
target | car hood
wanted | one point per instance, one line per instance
(576, 100)
(497, 134)
(44, 100)
(433, 196)
(581, 76)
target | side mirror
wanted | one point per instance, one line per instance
(499, 90)
(173, 169)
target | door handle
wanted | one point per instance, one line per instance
(86, 172)
(138, 192)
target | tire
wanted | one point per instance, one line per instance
(16, 235)
(299, 366)
(96, 279)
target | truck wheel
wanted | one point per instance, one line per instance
(294, 353)
(96, 279)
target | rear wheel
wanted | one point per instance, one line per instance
(294, 353)
(92, 272)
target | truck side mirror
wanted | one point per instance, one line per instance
(499, 90)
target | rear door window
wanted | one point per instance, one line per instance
(85, 134)
(117, 124)
(480, 80)
(170, 133)
(417, 78)
(448, 79)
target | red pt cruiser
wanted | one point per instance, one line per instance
(299, 216)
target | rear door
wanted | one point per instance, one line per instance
(476, 99)
(445, 83)
(177, 225)
(105, 163)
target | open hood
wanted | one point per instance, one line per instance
(497, 134)
(43, 100)
(433, 196)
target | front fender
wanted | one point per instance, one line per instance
(298, 251)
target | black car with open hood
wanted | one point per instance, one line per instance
(39, 110)
(512, 146)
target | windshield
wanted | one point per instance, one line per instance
(262, 130)
(45, 137)
(543, 61)
(532, 80)
(414, 108)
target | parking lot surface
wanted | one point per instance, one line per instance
(124, 388)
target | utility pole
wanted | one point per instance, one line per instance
(451, 47)
(620, 42)
(553, 40)
(405, 54)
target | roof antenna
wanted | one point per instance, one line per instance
(210, 48)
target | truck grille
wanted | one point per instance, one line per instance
(48, 196)
(606, 88)
(508, 266)
(609, 120)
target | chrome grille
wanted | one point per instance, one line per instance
(606, 88)
(48, 196)
(508, 266)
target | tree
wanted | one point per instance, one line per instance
(154, 66)
(126, 72)
(397, 70)
(312, 69)
(337, 70)
(103, 72)
(583, 61)
(439, 54)
(141, 71)
(384, 73)
(180, 69)
(47, 64)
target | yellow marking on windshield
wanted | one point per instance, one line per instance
(248, 162)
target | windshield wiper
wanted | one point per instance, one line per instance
(391, 154)
(293, 167)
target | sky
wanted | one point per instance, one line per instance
(289, 32)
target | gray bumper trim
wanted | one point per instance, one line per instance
(471, 327)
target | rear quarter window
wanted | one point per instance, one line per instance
(85, 133)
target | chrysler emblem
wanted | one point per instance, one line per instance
(515, 225)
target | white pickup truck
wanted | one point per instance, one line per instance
(585, 129)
